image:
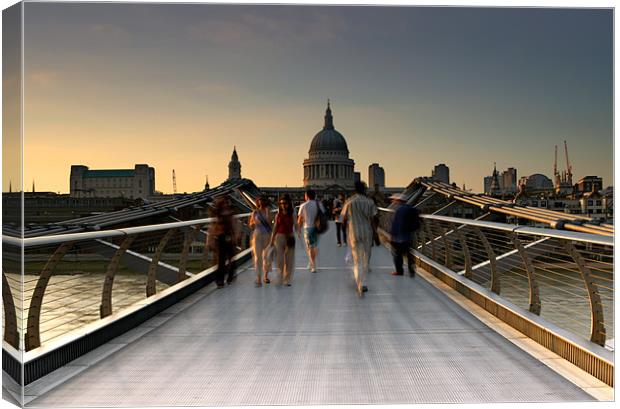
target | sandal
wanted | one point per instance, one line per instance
(267, 281)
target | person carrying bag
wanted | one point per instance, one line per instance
(283, 239)
(260, 221)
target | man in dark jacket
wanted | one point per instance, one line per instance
(406, 219)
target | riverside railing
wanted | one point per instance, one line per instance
(565, 277)
(70, 281)
(554, 286)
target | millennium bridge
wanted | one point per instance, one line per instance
(510, 304)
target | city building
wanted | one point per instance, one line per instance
(587, 184)
(441, 173)
(51, 207)
(129, 183)
(487, 184)
(328, 164)
(504, 183)
(357, 176)
(376, 177)
(594, 204)
(234, 166)
(537, 183)
(508, 181)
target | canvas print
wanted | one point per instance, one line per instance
(234, 204)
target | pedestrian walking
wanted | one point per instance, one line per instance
(338, 218)
(308, 214)
(406, 221)
(360, 215)
(223, 236)
(260, 222)
(283, 238)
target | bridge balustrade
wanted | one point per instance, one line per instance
(564, 277)
(72, 281)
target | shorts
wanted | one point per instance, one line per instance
(311, 236)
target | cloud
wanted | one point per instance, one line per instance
(274, 29)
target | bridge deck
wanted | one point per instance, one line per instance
(316, 342)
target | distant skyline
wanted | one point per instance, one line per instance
(176, 86)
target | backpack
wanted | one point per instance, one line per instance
(321, 219)
(414, 221)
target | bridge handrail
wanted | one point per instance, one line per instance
(93, 235)
(564, 277)
(511, 228)
(118, 244)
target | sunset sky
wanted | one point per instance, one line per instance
(176, 86)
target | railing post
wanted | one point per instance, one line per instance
(33, 330)
(531, 277)
(204, 261)
(189, 239)
(466, 254)
(427, 224)
(495, 273)
(152, 274)
(105, 308)
(11, 336)
(597, 327)
(446, 246)
(423, 237)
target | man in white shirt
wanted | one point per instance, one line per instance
(360, 214)
(308, 212)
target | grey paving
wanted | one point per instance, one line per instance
(316, 342)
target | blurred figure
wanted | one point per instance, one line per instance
(260, 222)
(340, 227)
(360, 215)
(406, 221)
(223, 237)
(283, 238)
(308, 212)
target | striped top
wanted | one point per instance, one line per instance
(359, 211)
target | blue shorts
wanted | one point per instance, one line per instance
(311, 236)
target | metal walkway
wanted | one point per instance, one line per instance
(316, 342)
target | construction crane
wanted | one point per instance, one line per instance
(174, 182)
(569, 169)
(556, 175)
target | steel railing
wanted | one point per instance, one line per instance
(71, 280)
(564, 277)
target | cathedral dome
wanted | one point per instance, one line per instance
(329, 139)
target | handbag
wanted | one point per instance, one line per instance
(268, 258)
(290, 241)
(321, 219)
(262, 220)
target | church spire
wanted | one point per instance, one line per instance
(234, 166)
(495, 184)
(329, 120)
(234, 154)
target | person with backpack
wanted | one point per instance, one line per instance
(313, 218)
(406, 221)
(359, 213)
(260, 222)
(340, 227)
(222, 238)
